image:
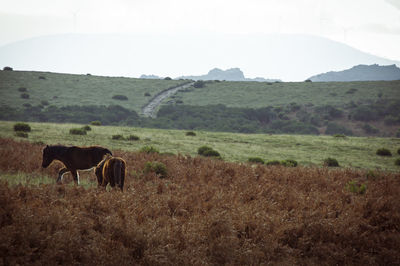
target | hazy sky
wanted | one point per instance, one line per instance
(371, 26)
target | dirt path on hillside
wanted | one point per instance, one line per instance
(149, 109)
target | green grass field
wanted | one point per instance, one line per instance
(354, 152)
(262, 94)
(67, 89)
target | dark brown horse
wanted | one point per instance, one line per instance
(111, 170)
(74, 158)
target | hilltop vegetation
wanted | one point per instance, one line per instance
(204, 212)
(350, 108)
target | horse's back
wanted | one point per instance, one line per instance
(86, 157)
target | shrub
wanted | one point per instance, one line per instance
(397, 162)
(289, 163)
(199, 84)
(156, 167)
(95, 123)
(354, 187)
(21, 134)
(7, 68)
(331, 162)
(351, 91)
(22, 89)
(273, 162)
(391, 120)
(22, 127)
(383, 152)
(370, 129)
(398, 151)
(308, 80)
(133, 137)
(87, 128)
(149, 149)
(167, 78)
(120, 97)
(147, 94)
(256, 160)
(77, 131)
(339, 136)
(190, 133)
(334, 128)
(203, 149)
(44, 102)
(41, 77)
(24, 95)
(211, 153)
(117, 137)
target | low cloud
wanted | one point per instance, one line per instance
(395, 3)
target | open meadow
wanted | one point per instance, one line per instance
(354, 152)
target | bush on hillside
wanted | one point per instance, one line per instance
(334, 128)
(24, 95)
(383, 152)
(256, 160)
(87, 128)
(117, 137)
(120, 97)
(208, 152)
(354, 187)
(156, 167)
(398, 151)
(22, 89)
(397, 162)
(331, 162)
(149, 149)
(21, 134)
(44, 102)
(167, 78)
(391, 120)
(370, 129)
(147, 94)
(190, 133)
(77, 131)
(364, 113)
(7, 68)
(95, 123)
(22, 127)
(289, 163)
(273, 162)
(133, 137)
(199, 84)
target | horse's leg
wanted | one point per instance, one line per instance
(75, 174)
(61, 174)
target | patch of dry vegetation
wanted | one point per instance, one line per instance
(205, 212)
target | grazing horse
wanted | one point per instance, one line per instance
(74, 158)
(111, 170)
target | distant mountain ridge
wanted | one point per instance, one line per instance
(361, 73)
(289, 57)
(232, 74)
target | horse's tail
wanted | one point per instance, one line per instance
(117, 172)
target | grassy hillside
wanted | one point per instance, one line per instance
(204, 212)
(355, 152)
(262, 94)
(67, 89)
(350, 108)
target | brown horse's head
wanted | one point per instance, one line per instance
(47, 157)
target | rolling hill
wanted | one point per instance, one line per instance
(350, 108)
(361, 73)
